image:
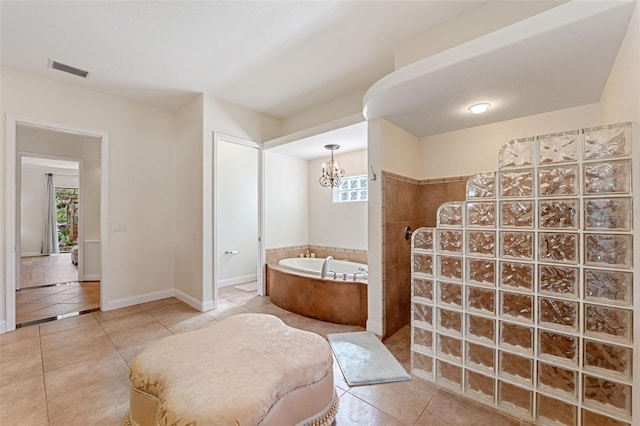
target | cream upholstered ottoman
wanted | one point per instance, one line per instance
(249, 369)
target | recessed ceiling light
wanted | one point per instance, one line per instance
(479, 108)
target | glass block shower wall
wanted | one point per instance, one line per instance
(522, 296)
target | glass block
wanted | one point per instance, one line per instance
(516, 214)
(608, 286)
(481, 214)
(557, 346)
(450, 347)
(481, 243)
(450, 321)
(423, 263)
(422, 290)
(517, 183)
(516, 336)
(422, 315)
(516, 153)
(614, 214)
(516, 275)
(611, 177)
(481, 271)
(422, 339)
(608, 250)
(556, 312)
(450, 214)
(450, 294)
(449, 241)
(481, 299)
(608, 323)
(481, 357)
(558, 147)
(515, 398)
(422, 365)
(607, 141)
(516, 244)
(590, 418)
(481, 329)
(562, 280)
(557, 380)
(558, 180)
(423, 239)
(450, 267)
(479, 385)
(481, 185)
(604, 357)
(554, 411)
(607, 394)
(558, 214)
(516, 367)
(516, 306)
(448, 374)
(558, 247)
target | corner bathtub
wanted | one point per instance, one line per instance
(296, 285)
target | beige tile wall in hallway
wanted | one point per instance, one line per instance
(75, 371)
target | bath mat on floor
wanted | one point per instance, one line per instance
(364, 360)
(248, 286)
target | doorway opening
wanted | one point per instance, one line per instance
(79, 238)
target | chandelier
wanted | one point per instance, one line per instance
(331, 172)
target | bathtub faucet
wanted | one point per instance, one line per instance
(325, 267)
(363, 269)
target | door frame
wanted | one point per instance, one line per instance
(214, 272)
(12, 256)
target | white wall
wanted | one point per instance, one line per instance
(187, 227)
(342, 225)
(237, 174)
(140, 260)
(476, 22)
(375, 319)
(398, 151)
(32, 183)
(286, 200)
(620, 99)
(474, 150)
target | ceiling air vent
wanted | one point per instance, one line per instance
(68, 69)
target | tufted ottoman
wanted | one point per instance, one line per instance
(249, 369)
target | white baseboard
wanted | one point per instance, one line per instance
(192, 301)
(237, 280)
(375, 327)
(135, 300)
(3, 327)
(91, 277)
(32, 254)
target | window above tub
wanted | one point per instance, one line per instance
(351, 188)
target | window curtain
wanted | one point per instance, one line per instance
(50, 229)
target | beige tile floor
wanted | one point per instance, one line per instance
(38, 303)
(74, 371)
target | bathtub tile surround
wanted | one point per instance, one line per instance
(522, 294)
(407, 202)
(274, 255)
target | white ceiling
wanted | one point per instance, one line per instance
(275, 57)
(284, 57)
(350, 138)
(557, 59)
(50, 163)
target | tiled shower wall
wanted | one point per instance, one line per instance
(522, 296)
(414, 203)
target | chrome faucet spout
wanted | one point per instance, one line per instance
(364, 269)
(325, 267)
